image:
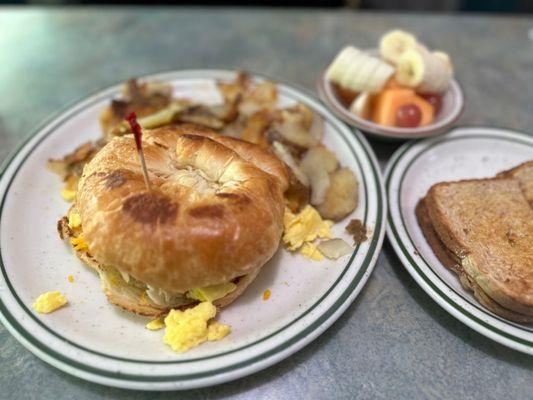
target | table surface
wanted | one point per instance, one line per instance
(394, 341)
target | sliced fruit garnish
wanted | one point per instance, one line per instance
(394, 43)
(408, 116)
(358, 71)
(387, 103)
(425, 71)
(435, 100)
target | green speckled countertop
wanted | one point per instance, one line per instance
(394, 341)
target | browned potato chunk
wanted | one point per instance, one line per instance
(297, 195)
(264, 96)
(255, 129)
(234, 91)
(294, 125)
(322, 157)
(341, 196)
(317, 164)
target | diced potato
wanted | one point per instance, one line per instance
(254, 130)
(320, 155)
(334, 248)
(317, 164)
(284, 155)
(297, 195)
(341, 196)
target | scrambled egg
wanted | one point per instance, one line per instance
(49, 301)
(69, 190)
(211, 293)
(74, 220)
(70, 278)
(190, 328)
(303, 228)
(217, 331)
(266, 294)
(155, 325)
(78, 243)
(311, 251)
(68, 194)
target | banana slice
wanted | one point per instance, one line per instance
(339, 65)
(379, 77)
(444, 56)
(357, 71)
(361, 80)
(411, 68)
(361, 105)
(442, 70)
(367, 77)
(425, 71)
(349, 78)
(394, 43)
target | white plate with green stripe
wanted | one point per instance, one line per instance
(96, 341)
(465, 152)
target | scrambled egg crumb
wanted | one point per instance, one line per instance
(190, 328)
(78, 243)
(155, 325)
(49, 301)
(304, 227)
(217, 331)
(266, 294)
(74, 220)
(68, 195)
(70, 278)
(311, 251)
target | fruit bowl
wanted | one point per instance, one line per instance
(451, 109)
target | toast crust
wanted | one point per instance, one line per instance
(488, 225)
(424, 221)
(524, 175)
(450, 262)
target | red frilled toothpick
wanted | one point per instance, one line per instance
(137, 133)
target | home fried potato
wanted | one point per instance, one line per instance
(341, 196)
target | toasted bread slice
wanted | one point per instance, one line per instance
(450, 261)
(524, 175)
(487, 224)
(443, 254)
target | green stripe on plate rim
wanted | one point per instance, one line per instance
(34, 343)
(414, 264)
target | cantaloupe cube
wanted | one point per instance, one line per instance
(389, 100)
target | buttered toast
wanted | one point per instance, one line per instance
(483, 230)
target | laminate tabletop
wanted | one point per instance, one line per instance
(394, 341)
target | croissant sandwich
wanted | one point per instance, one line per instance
(212, 217)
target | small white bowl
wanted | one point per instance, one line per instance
(452, 108)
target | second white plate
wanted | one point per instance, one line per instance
(463, 153)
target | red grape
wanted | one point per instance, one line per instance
(408, 116)
(435, 100)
